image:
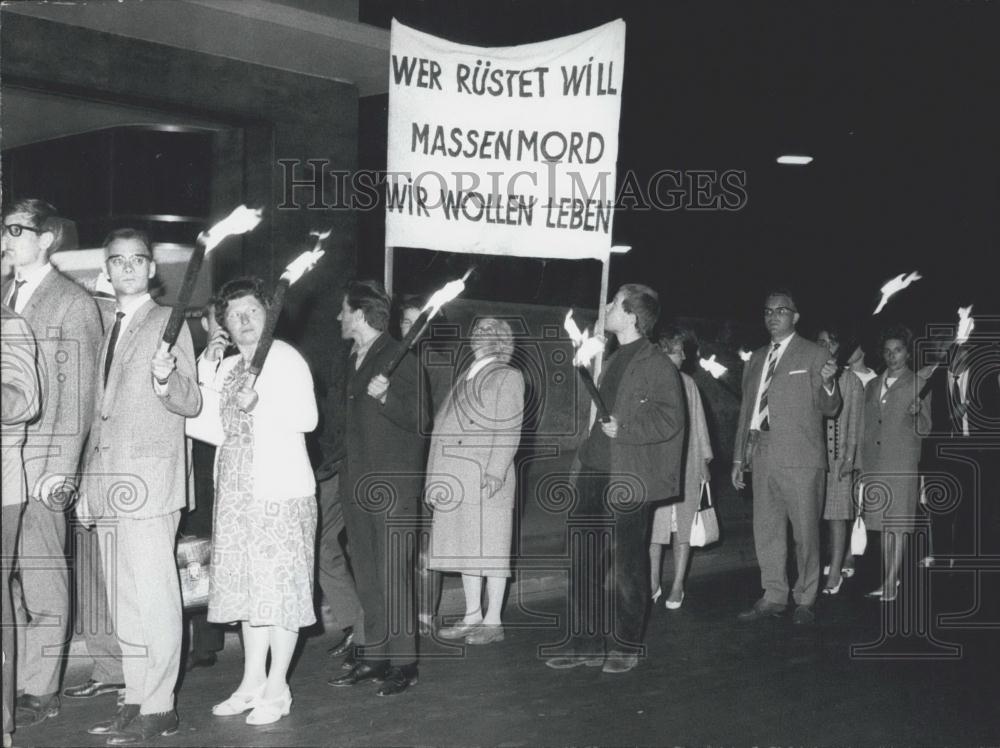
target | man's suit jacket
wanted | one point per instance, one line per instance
(983, 409)
(136, 457)
(67, 327)
(384, 442)
(20, 401)
(652, 417)
(796, 403)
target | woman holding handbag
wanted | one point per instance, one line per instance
(841, 449)
(675, 519)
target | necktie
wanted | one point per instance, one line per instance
(12, 301)
(764, 425)
(117, 328)
(957, 408)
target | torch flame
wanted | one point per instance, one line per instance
(321, 236)
(587, 347)
(894, 286)
(966, 324)
(302, 265)
(712, 366)
(446, 293)
(745, 355)
(307, 260)
(240, 221)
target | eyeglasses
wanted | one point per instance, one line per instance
(133, 261)
(16, 229)
(779, 310)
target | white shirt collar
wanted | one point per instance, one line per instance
(782, 345)
(32, 279)
(478, 366)
(132, 305)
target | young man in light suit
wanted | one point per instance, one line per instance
(67, 326)
(135, 485)
(788, 387)
(20, 404)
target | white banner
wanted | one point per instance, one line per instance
(504, 150)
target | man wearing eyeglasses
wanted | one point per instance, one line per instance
(788, 387)
(67, 326)
(135, 484)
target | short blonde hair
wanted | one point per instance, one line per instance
(498, 338)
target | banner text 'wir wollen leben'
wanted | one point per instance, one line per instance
(486, 149)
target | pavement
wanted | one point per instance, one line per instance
(920, 671)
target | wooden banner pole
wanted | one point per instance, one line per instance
(389, 258)
(601, 303)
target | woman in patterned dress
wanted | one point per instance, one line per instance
(264, 530)
(841, 450)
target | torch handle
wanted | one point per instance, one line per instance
(173, 328)
(267, 336)
(595, 395)
(408, 340)
(925, 389)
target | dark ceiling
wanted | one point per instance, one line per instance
(897, 102)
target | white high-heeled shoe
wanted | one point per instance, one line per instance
(656, 595)
(267, 711)
(675, 604)
(238, 702)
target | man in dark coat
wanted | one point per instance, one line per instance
(380, 487)
(960, 453)
(627, 462)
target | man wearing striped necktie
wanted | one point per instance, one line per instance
(788, 387)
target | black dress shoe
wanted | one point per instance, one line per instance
(397, 680)
(376, 671)
(32, 710)
(351, 660)
(145, 727)
(122, 719)
(344, 645)
(196, 661)
(92, 688)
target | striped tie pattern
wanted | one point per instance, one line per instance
(764, 425)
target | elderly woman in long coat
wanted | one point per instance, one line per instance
(471, 481)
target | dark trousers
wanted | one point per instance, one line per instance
(206, 638)
(609, 576)
(335, 577)
(11, 524)
(383, 544)
(959, 494)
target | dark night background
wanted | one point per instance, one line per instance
(897, 104)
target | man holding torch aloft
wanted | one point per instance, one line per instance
(789, 386)
(381, 483)
(630, 460)
(135, 485)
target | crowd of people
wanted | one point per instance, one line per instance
(418, 476)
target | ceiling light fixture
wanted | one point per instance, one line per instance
(795, 160)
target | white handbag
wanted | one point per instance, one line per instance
(705, 525)
(859, 534)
